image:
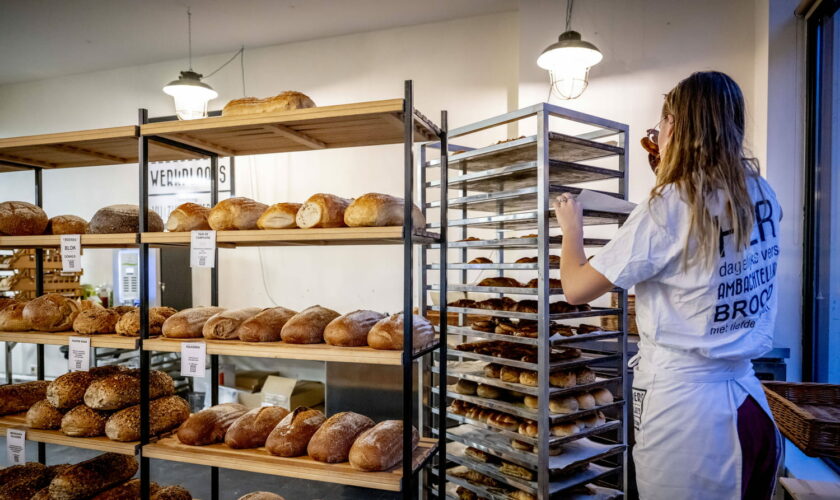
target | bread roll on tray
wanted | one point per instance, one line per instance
(188, 217)
(92, 476)
(252, 429)
(187, 324)
(129, 323)
(66, 224)
(43, 415)
(235, 213)
(209, 426)
(167, 413)
(332, 441)
(123, 389)
(285, 101)
(82, 421)
(19, 218)
(388, 333)
(380, 447)
(351, 329)
(265, 326)
(291, 436)
(307, 326)
(15, 398)
(12, 319)
(322, 210)
(123, 219)
(377, 209)
(51, 313)
(96, 321)
(223, 325)
(279, 216)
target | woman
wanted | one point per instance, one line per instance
(702, 253)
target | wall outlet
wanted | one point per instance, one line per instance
(32, 369)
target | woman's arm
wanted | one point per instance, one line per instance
(581, 282)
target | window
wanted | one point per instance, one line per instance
(821, 312)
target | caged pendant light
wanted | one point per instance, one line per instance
(568, 61)
(191, 95)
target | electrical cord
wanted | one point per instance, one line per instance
(241, 51)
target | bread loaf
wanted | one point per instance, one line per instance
(564, 405)
(96, 321)
(188, 217)
(51, 313)
(376, 209)
(123, 389)
(279, 216)
(122, 309)
(187, 324)
(24, 471)
(488, 391)
(210, 425)
(129, 323)
(285, 101)
(464, 386)
(68, 390)
(292, 434)
(173, 492)
(129, 490)
(167, 413)
(235, 213)
(19, 218)
(332, 441)
(43, 415)
(388, 333)
(92, 476)
(265, 326)
(602, 396)
(67, 224)
(82, 421)
(223, 325)
(261, 495)
(252, 429)
(122, 219)
(7, 301)
(562, 379)
(24, 487)
(351, 329)
(564, 429)
(15, 398)
(585, 401)
(307, 326)
(12, 319)
(380, 447)
(322, 210)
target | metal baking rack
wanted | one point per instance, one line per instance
(498, 191)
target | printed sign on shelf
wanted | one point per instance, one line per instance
(71, 253)
(16, 446)
(193, 359)
(202, 248)
(78, 359)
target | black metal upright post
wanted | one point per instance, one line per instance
(444, 315)
(39, 290)
(143, 180)
(214, 301)
(408, 291)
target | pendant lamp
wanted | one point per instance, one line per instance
(191, 95)
(568, 60)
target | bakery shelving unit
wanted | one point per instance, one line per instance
(36, 153)
(394, 121)
(498, 191)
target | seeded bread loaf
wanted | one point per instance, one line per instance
(167, 413)
(43, 415)
(92, 476)
(123, 389)
(96, 321)
(82, 421)
(15, 398)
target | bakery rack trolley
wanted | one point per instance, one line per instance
(496, 191)
(359, 124)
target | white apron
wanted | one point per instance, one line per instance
(686, 431)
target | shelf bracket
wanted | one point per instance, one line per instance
(294, 135)
(26, 161)
(202, 144)
(88, 152)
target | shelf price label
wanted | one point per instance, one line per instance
(16, 446)
(71, 253)
(193, 359)
(78, 359)
(202, 248)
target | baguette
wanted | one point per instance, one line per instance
(322, 210)
(167, 413)
(252, 429)
(279, 216)
(12, 320)
(307, 326)
(291, 436)
(209, 426)
(16, 398)
(92, 476)
(235, 213)
(66, 224)
(43, 415)
(388, 333)
(380, 447)
(19, 218)
(223, 325)
(123, 389)
(351, 329)
(332, 441)
(188, 217)
(377, 209)
(82, 421)
(51, 313)
(265, 326)
(188, 323)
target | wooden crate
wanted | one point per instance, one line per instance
(808, 414)
(610, 323)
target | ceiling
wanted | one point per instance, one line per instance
(49, 38)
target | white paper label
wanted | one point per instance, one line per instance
(71, 253)
(78, 360)
(202, 248)
(16, 446)
(193, 359)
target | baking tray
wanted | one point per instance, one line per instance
(596, 311)
(585, 359)
(520, 410)
(494, 289)
(505, 266)
(561, 147)
(491, 244)
(509, 201)
(555, 340)
(528, 220)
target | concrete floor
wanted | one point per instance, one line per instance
(233, 484)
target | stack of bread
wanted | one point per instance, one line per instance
(54, 312)
(520, 306)
(19, 218)
(484, 481)
(104, 477)
(343, 437)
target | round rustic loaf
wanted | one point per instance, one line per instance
(43, 415)
(19, 218)
(12, 320)
(235, 213)
(96, 321)
(188, 217)
(129, 323)
(122, 219)
(67, 224)
(51, 313)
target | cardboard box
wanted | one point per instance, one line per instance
(252, 380)
(286, 392)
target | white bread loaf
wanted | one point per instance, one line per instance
(279, 216)
(236, 213)
(377, 209)
(188, 217)
(322, 210)
(388, 333)
(285, 101)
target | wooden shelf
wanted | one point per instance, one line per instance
(84, 148)
(347, 125)
(62, 338)
(260, 461)
(280, 350)
(119, 240)
(100, 443)
(389, 235)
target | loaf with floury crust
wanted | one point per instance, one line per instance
(129, 323)
(12, 319)
(82, 421)
(388, 333)
(43, 415)
(332, 441)
(51, 313)
(223, 325)
(279, 216)
(96, 321)
(307, 326)
(188, 217)
(15, 398)
(265, 326)
(19, 218)
(291, 436)
(351, 329)
(166, 414)
(237, 213)
(92, 476)
(322, 210)
(380, 447)
(377, 209)
(252, 429)
(123, 219)
(67, 224)
(123, 389)
(209, 426)
(285, 101)
(187, 324)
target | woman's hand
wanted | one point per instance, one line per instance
(569, 215)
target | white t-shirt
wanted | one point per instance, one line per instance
(726, 312)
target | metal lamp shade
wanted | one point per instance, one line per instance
(191, 95)
(568, 62)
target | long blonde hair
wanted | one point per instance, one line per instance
(705, 159)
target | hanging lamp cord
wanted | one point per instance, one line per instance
(569, 5)
(189, 36)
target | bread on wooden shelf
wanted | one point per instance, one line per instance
(68, 390)
(24, 482)
(188, 217)
(279, 216)
(252, 429)
(51, 312)
(166, 414)
(187, 324)
(82, 421)
(92, 476)
(43, 415)
(388, 333)
(237, 213)
(380, 447)
(285, 101)
(377, 210)
(332, 441)
(129, 323)
(19, 218)
(96, 321)
(123, 389)
(173, 492)
(351, 329)
(66, 224)
(25, 471)
(125, 491)
(322, 210)
(223, 325)
(12, 318)
(123, 219)
(307, 326)
(265, 326)
(291, 436)
(261, 495)
(209, 426)
(15, 398)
